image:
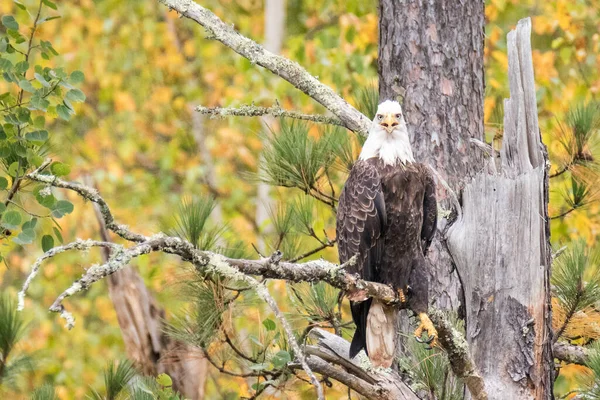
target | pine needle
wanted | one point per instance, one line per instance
(576, 281)
(45, 392)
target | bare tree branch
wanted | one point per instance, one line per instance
(81, 245)
(274, 111)
(281, 66)
(570, 353)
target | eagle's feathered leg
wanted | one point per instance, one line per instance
(418, 300)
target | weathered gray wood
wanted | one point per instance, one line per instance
(500, 247)
(335, 350)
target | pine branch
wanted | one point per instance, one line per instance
(274, 111)
(280, 66)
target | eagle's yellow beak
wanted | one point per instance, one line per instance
(389, 122)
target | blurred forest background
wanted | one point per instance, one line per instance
(137, 137)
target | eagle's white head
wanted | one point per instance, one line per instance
(388, 136)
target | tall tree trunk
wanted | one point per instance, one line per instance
(431, 59)
(495, 261)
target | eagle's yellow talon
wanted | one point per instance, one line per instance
(402, 296)
(427, 326)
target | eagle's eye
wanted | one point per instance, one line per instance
(398, 115)
(379, 116)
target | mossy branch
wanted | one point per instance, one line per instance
(274, 111)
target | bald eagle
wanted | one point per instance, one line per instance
(387, 215)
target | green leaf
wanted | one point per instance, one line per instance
(41, 80)
(75, 95)
(269, 324)
(13, 169)
(3, 183)
(21, 67)
(5, 65)
(20, 5)
(60, 169)
(30, 224)
(10, 23)
(63, 112)
(26, 86)
(2, 208)
(45, 197)
(49, 4)
(58, 235)
(62, 208)
(77, 77)
(37, 136)
(47, 242)
(11, 220)
(4, 151)
(39, 121)
(39, 102)
(281, 359)
(164, 380)
(26, 236)
(259, 367)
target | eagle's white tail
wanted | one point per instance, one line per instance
(381, 334)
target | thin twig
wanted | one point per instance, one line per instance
(564, 213)
(313, 251)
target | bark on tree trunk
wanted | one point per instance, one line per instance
(431, 56)
(431, 59)
(141, 320)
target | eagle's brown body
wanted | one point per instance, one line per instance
(387, 215)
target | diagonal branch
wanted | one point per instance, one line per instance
(274, 111)
(280, 66)
(459, 355)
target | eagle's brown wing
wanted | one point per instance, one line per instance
(361, 221)
(429, 210)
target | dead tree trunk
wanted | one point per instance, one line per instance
(431, 55)
(500, 245)
(141, 320)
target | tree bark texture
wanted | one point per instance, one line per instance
(141, 320)
(495, 261)
(431, 60)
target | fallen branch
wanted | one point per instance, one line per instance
(274, 111)
(280, 66)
